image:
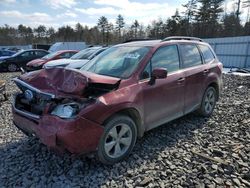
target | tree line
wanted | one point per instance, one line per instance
(201, 18)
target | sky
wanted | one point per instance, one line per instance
(57, 13)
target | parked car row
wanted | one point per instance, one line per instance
(31, 60)
(37, 64)
(20, 59)
(118, 95)
(77, 60)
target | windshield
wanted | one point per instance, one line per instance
(117, 62)
(81, 55)
(49, 56)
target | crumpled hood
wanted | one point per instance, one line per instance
(60, 63)
(65, 82)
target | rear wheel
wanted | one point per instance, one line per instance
(208, 102)
(118, 140)
(12, 67)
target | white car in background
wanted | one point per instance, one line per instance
(77, 60)
(80, 64)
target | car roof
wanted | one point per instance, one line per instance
(34, 50)
(63, 51)
(155, 43)
(141, 43)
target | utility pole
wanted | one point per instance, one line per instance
(238, 9)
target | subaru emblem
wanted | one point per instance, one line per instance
(28, 95)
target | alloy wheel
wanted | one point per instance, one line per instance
(209, 101)
(118, 140)
(12, 68)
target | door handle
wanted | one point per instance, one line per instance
(180, 80)
(206, 71)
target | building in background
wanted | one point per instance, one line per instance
(232, 51)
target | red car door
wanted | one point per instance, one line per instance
(195, 75)
(164, 100)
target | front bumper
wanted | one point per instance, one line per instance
(77, 135)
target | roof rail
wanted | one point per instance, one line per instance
(182, 38)
(138, 39)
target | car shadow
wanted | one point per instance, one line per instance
(27, 162)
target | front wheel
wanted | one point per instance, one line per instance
(118, 139)
(208, 102)
(12, 67)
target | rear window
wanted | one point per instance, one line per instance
(207, 53)
(191, 55)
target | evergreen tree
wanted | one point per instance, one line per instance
(103, 25)
(231, 26)
(119, 25)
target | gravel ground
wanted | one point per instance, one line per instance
(188, 152)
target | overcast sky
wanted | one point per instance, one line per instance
(57, 13)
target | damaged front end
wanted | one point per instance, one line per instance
(51, 103)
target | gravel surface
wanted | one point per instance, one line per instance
(188, 152)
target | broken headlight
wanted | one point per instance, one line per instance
(66, 110)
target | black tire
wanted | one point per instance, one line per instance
(12, 67)
(122, 122)
(204, 110)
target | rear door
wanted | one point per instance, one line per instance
(195, 75)
(39, 54)
(163, 101)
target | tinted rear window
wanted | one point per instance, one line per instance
(207, 53)
(191, 55)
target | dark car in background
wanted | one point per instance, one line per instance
(20, 59)
(4, 53)
(125, 91)
(79, 59)
(37, 64)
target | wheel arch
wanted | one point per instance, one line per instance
(215, 85)
(134, 114)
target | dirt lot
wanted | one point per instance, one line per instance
(189, 152)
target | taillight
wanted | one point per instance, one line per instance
(220, 65)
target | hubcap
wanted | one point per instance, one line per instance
(209, 101)
(118, 140)
(12, 67)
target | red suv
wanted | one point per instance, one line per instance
(128, 89)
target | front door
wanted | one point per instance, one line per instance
(164, 100)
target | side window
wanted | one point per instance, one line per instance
(166, 57)
(72, 53)
(40, 53)
(191, 55)
(207, 53)
(65, 55)
(25, 54)
(5, 53)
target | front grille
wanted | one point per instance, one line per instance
(31, 100)
(35, 106)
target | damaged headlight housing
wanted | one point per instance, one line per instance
(66, 110)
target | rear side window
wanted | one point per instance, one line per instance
(65, 55)
(191, 55)
(166, 57)
(40, 53)
(207, 53)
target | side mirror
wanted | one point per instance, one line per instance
(158, 73)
